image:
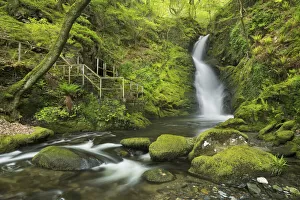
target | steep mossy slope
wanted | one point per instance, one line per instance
(148, 49)
(260, 65)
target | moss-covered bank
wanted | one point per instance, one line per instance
(260, 62)
(11, 142)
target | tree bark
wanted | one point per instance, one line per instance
(241, 10)
(14, 92)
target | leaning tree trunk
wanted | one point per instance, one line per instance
(13, 94)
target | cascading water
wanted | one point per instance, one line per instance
(210, 92)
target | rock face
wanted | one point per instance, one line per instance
(233, 163)
(60, 158)
(168, 147)
(215, 140)
(136, 143)
(158, 176)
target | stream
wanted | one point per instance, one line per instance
(119, 178)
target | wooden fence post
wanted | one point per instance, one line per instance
(19, 52)
(82, 74)
(98, 66)
(123, 92)
(100, 91)
(70, 74)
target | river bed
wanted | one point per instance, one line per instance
(120, 178)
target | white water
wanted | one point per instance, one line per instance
(209, 90)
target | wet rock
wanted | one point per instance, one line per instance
(253, 188)
(262, 180)
(168, 147)
(216, 140)
(222, 194)
(158, 176)
(292, 190)
(277, 188)
(235, 123)
(136, 143)
(233, 164)
(287, 150)
(60, 158)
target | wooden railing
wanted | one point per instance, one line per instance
(124, 87)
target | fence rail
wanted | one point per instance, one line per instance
(103, 84)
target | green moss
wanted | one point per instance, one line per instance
(137, 120)
(269, 128)
(288, 125)
(10, 143)
(215, 137)
(136, 143)
(60, 158)
(168, 147)
(278, 133)
(283, 136)
(231, 123)
(158, 176)
(233, 164)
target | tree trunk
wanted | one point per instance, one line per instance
(59, 5)
(14, 92)
(241, 7)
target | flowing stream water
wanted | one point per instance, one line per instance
(118, 178)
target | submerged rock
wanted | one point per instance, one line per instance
(60, 158)
(215, 140)
(168, 147)
(253, 188)
(233, 163)
(136, 143)
(158, 176)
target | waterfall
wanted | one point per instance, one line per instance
(209, 90)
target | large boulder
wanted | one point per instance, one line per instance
(61, 158)
(235, 163)
(168, 147)
(215, 140)
(136, 143)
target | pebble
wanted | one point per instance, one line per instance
(222, 194)
(253, 188)
(292, 190)
(277, 188)
(262, 180)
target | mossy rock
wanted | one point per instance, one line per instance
(281, 137)
(71, 126)
(232, 123)
(64, 159)
(287, 150)
(288, 125)
(215, 140)
(233, 164)
(11, 142)
(158, 176)
(136, 143)
(168, 147)
(269, 128)
(278, 133)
